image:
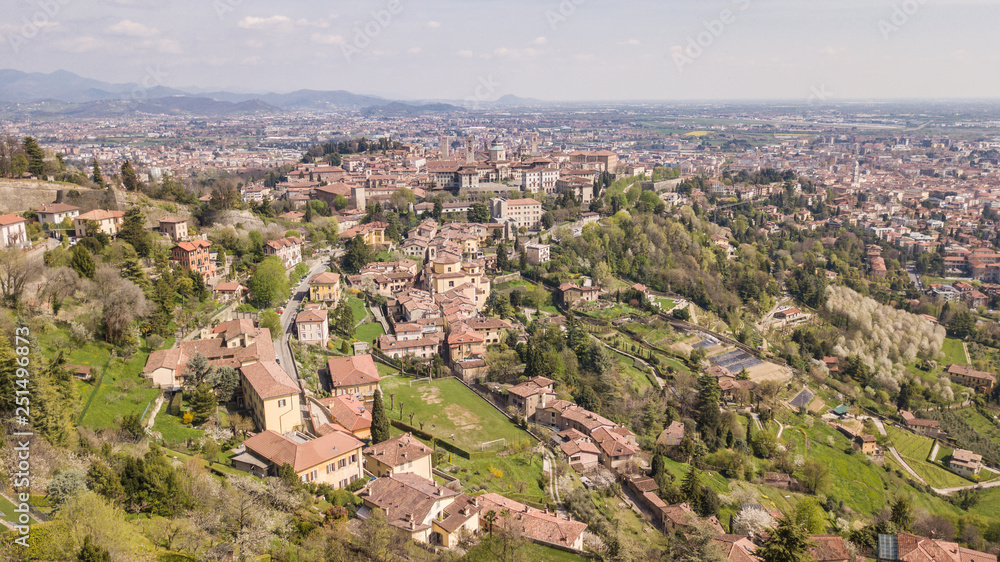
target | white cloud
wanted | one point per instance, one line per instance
(251, 61)
(504, 52)
(254, 44)
(303, 22)
(630, 42)
(321, 39)
(132, 29)
(465, 53)
(832, 51)
(585, 57)
(414, 50)
(433, 24)
(251, 22)
(540, 41)
(80, 44)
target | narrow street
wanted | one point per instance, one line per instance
(299, 293)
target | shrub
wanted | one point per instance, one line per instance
(188, 418)
(174, 409)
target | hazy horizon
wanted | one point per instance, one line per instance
(563, 51)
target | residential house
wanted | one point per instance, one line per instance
(930, 428)
(312, 326)
(425, 511)
(980, 380)
(56, 213)
(533, 524)
(672, 435)
(194, 256)
(399, 455)
(174, 227)
(325, 288)
(867, 444)
(737, 548)
(355, 375)
(13, 232)
(531, 394)
(108, 222)
(350, 413)
(289, 250)
(681, 518)
(230, 291)
(522, 213)
(537, 254)
(829, 548)
(334, 458)
(966, 463)
(572, 294)
(272, 397)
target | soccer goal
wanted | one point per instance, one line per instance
(425, 379)
(486, 444)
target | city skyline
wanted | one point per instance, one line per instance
(557, 51)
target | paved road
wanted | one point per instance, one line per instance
(299, 294)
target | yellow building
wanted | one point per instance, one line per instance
(334, 458)
(372, 233)
(325, 287)
(399, 455)
(108, 222)
(357, 376)
(271, 396)
(448, 272)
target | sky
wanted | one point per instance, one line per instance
(559, 50)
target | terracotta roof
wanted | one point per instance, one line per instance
(269, 380)
(533, 523)
(348, 411)
(100, 215)
(10, 219)
(828, 548)
(737, 548)
(398, 450)
(406, 499)
(325, 277)
(353, 371)
(310, 315)
(281, 450)
(56, 208)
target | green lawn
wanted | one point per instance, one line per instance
(539, 553)
(915, 449)
(665, 303)
(358, 308)
(953, 352)
(854, 479)
(119, 393)
(7, 512)
(521, 478)
(172, 428)
(216, 466)
(626, 367)
(369, 332)
(447, 408)
(980, 424)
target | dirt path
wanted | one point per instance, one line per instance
(965, 348)
(156, 409)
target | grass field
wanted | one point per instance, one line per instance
(855, 480)
(521, 479)
(119, 393)
(953, 352)
(172, 428)
(982, 425)
(665, 303)
(358, 308)
(626, 366)
(446, 407)
(7, 512)
(541, 553)
(369, 332)
(914, 449)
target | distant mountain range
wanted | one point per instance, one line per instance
(65, 93)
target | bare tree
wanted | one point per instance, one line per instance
(122, 300)
(16, 271)
(60, 284)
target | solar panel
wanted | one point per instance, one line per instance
(888, 547)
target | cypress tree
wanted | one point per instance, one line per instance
(98, 177)
(380, 421)
(36, 156)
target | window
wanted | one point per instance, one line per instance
(329, 468)
(342, 463)
(281, 403)
(354, 459)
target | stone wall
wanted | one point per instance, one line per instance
(17, 196)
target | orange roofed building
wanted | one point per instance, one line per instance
(194, 256)
(357, 376)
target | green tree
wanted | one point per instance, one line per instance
(691, 487)
(809, 514)
(901, 514)
(269, 282)
(589, 399)
(269, 319)
(963, 324)
(97, 176)
(709, 417)
(36, 157)
(129, 178)
(91, 552)
(203, 404)
(82, 262)
(309, 212)
(358, 255)
(134, 231)
(104, 481)
(64, 485)
(380, 420)
(224, 380)
(788, 542)
(343, 319)
(479, 212)
(197, 371)
(131, 427)
(503, 260)
(815, 476)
